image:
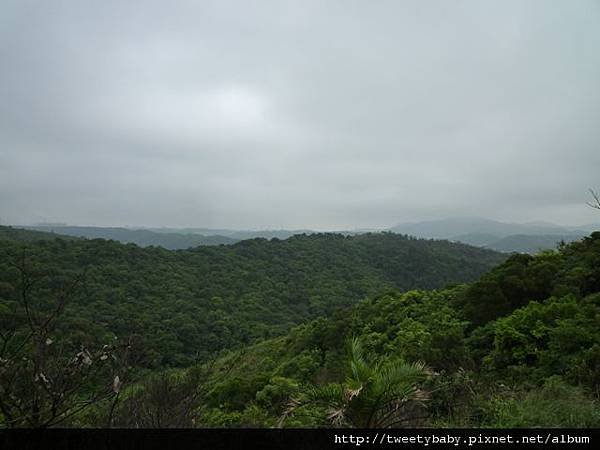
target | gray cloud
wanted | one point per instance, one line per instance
(298, 114)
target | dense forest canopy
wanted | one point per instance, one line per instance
(186, 305)
(518, 348)
(315, 330)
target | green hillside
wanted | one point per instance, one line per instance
(519, 348)
(320, 330)
(183, 306)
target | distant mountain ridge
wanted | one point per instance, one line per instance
(532, 243)
(141, 237)
(169, 238)
(456, 226)
(506, 237)
(26, 235)
(480, 232)
(236, 235)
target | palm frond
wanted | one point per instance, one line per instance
(379, 394)
(360, 369)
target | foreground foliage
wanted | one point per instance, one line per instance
(373, 395)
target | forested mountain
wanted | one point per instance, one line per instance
(141, 237)
(20, 234)
(185, 305)
(166, 237)
(518, 348)
(498, 236)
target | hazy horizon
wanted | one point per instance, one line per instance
(298, 115)
(375, 229)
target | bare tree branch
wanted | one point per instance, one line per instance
(41, 385)
(596, 202)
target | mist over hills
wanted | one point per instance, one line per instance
(169, 238)
(505, 237)
(234, 235)
(500, 236)
(524, 243)
(462, 226)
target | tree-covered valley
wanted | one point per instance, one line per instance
(372, 330)
(184, 306)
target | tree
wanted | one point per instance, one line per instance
(43, 382)
(374, 394)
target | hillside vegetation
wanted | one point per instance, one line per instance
(183, 306)
(519, 348)
(516, 346)
(143, 238)
(20, 234)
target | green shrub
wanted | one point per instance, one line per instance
(555, 404)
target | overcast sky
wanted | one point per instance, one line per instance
(324, 114)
